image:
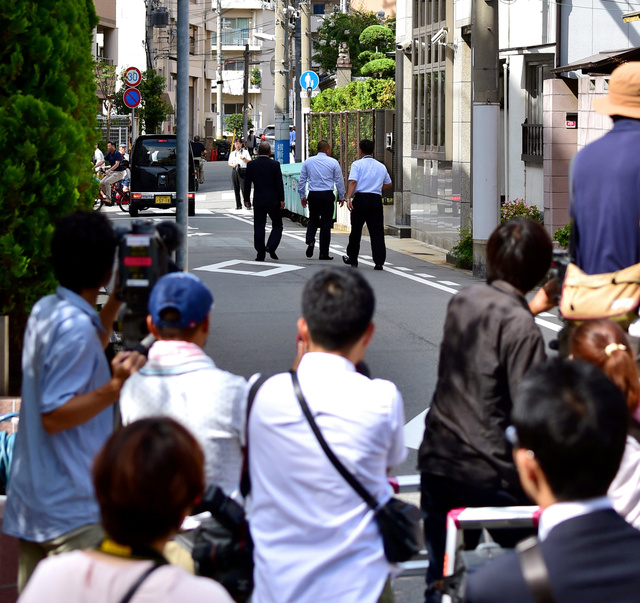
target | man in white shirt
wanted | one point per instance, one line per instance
(367, 179)
(315, 539)
(238, 159)
(320, 174)
(569, 430)
(183, 383)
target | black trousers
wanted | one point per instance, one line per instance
(321, 209)
(238, 185)
(259, 223)
(367, 209)
(441, 494)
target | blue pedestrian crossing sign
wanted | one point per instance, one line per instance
(309, 79)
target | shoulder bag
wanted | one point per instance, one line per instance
(399, 522)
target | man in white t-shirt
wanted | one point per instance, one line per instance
(315, 538)
(184, 383)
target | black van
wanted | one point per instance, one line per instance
(153, 174)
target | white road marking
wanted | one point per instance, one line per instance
(226, 268)
(412, 277)
(405, 269)
(450, 283)
(414, 430)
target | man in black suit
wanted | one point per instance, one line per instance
(568, 436)
(268, 199)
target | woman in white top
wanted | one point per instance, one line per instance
(238, 159)
(604, 344)
(146, 478)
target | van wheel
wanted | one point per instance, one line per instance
(133, 211)
(191, 208)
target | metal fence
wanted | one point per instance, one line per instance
(120, 128)
(346, 129)
(532, 142)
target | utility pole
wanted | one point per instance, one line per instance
(485, 128)
(219, 70)
(280, 83)
(245, 99)
(149, 35)
(305, 65)
(182, 142)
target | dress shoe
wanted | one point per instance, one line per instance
(272, 254)
(347, 260)
(325, 257)
(378, 267)
(310, 247)
(238, 206)
(259, 258)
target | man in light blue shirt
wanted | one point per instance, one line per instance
(67, 397)
(367, 179)
(320, 174)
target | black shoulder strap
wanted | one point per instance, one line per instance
(245, 479)
(344, 472)
(139, 581)
(534, 570)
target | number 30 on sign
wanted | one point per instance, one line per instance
(132, 76)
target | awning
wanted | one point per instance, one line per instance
(602, 63)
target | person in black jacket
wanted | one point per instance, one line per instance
(268, 200)
(568, 436)
(490, 341)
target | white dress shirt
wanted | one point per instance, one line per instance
(238, 157)
(369, 174)
(321, 173)
(315, 539)
(563, 511)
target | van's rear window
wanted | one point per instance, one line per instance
(156, 151)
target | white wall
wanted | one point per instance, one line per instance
(130, 21)
(594, 26)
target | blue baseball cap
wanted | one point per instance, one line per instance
(182, 292)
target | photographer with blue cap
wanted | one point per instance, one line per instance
(182, 382)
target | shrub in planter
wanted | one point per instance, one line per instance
(518, 208)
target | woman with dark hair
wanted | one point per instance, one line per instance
(490, 341)
(147, 477)
(604, 344)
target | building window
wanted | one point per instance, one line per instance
(233, 66)
(318, 9)
(235, 31)
(532, 129)
(429, 78)
(192, 40)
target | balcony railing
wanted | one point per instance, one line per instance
(532, 142)
(231, 37)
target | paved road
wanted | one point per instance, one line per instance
(257, 304)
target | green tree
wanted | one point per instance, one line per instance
(153, 108)
(106, 83)
(47, 134)
(370, 94)
(235, 122)
(380, 68)
(337, 28)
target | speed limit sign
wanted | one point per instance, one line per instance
(132, 76)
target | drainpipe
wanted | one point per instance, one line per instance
(505, 68)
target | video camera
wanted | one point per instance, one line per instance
(222, 545)
(144, 255)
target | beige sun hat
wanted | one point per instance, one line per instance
(624, 92)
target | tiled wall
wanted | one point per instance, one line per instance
(559, 148)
